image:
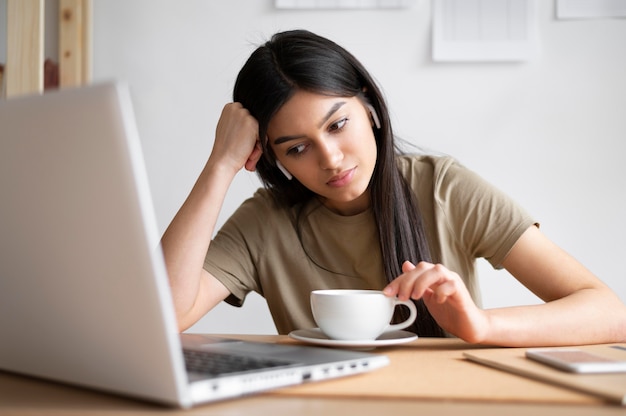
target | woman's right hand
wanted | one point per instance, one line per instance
(237, 139)
(446, 297)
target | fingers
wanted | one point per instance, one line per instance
(403, 286)
(235, 118)
(431, 281)
(442, 292)
(407, 266)
(237, 138)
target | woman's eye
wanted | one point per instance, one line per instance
(338, 125)
(296, 150)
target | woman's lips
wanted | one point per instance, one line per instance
(342, 179)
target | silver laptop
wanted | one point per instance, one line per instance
(84, 296)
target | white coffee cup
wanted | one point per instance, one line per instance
(346, 314)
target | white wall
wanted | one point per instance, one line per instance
(551, 132)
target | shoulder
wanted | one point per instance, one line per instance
(433, 171)
(261, 199)
(423, 163)
(447, 184)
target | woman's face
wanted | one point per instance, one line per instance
(328, 144)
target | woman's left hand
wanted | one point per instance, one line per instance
(445, 296)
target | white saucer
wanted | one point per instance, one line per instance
(316, 336)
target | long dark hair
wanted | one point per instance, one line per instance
(300, 60)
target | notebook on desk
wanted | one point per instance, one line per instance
(84, 296)
(609, 386)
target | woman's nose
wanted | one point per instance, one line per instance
(330, 155)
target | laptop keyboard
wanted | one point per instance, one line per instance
(215, 364)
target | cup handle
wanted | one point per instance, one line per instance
(409, 304)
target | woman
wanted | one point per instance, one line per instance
(342, 208)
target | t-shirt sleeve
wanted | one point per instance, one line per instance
(483, 219)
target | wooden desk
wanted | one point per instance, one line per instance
(427, 376)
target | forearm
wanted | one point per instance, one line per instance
(589, 316)
(187, 239)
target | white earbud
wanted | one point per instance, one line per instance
(283, 170)
(374, 115)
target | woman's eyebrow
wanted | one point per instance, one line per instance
(284, 139)
(332, 110)
(328, 115)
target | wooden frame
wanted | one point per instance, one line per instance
(24, 70)
(74, 42)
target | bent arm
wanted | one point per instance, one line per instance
(187, 239)
(579, 308)
(186, 242)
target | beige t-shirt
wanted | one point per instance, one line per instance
(260, 248)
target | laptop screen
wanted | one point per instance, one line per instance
(83, 295)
